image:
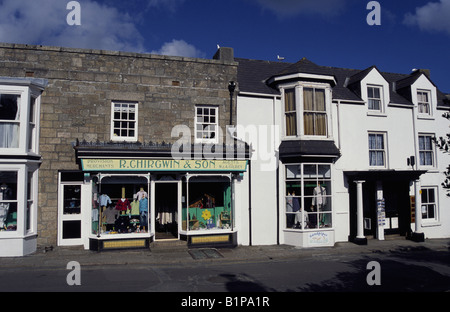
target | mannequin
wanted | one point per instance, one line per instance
(143, 212)
(5, 194)
(319, 201)
(319, 198)
(135, 206)
(141, 194)
(123, 205)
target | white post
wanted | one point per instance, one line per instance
(359, 211)
(418, 222)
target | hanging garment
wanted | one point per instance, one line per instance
(319, 198)
(104, 200)
(110, 215)
(134, 208)
(141, 194)
(123, 204)
(143, 204)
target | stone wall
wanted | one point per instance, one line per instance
(77, 102)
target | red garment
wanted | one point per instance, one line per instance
(123, 205)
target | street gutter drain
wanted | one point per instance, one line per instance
(207, 253)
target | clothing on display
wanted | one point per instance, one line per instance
(110, 214)
(135, 207)
(319, 198)
(141, 194)
(104, 200)
(123, 204)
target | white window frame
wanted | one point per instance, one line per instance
(299, 105)
(432, 151)
(380, 99)
(28, 133)
(127, 138)
(421, 103)
(384, 149)
(301, 177)
(434, 204)
(198, 123)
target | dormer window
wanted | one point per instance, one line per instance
(374, 96)
(423, 103)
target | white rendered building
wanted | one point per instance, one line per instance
(342, 154)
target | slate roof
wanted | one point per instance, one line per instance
(254, 74)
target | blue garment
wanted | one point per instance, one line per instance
(296, 204)
(143, 204)
(104, 200)
(143, 218)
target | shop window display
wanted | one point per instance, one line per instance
(120, 209)
(308, 196)
(209, 206)
(8, 201)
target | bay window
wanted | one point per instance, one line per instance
(308, 196)
(306, 111)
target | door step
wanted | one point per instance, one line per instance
(168, 243)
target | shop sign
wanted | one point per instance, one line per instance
(162, 165)
(318, 238)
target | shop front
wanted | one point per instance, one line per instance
(307, 174)
(117, 203)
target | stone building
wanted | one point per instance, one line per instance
(92, 99)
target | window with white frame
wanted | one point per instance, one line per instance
(374, 98)
(426, 150)
(8, 200)
(9, 120)
(206, 124)
(308, 196)
(290, 112)
(306, 111)
(314, 112)
(377, 149)
(429, 203)
(423, 102)
(124, 118)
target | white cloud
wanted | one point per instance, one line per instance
(169, 4)
(179, 48)
(286, 8)
(44, 22)
(434, 16)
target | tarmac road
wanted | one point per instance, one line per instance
(404, 266)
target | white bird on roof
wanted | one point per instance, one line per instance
(280, 58)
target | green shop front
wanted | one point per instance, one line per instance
(127, 198)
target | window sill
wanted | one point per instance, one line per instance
(376, 114)
(425, 117)
(430, 224)
(120, 139)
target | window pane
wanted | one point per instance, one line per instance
(71, 229)
(9, 107)
(308, 99)
(72, 199)
(320, 100)
(8, 201)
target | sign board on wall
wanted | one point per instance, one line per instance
(89, 164)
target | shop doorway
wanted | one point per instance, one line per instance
(166, 210)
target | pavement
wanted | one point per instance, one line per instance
(173, 253)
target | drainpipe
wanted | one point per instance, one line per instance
(417, 235)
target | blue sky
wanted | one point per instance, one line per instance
(412, 34)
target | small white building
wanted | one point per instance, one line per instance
(342, 154)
